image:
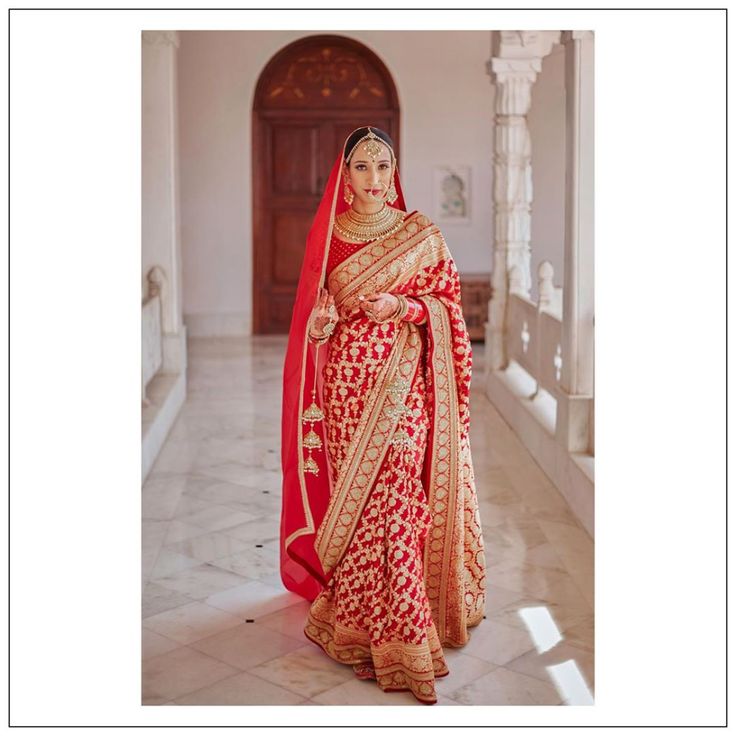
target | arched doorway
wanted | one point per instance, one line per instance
(309, 97)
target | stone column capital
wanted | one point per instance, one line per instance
(160, 38)
(503, 71)
(514, 79)
(523, 44)
(516, 62)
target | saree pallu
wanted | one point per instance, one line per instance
(400, 540)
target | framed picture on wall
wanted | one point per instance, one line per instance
(451, 194)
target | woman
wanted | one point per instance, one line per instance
(380, 526)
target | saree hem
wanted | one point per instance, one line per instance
(384, 663)
(469, 624)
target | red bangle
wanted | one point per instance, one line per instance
(417, 312)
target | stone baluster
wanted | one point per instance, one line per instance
(545, 285)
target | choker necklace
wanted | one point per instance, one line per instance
(365, 227)
(362, 217)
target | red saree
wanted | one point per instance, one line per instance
(385, 539)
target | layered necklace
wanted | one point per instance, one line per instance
(366, 227)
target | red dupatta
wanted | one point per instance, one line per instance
(305, 496)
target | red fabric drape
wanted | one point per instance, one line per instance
(305, 496)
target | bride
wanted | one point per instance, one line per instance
(380, 527)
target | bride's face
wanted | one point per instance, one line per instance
(369, 176)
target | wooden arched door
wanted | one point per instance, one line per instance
(310, 96)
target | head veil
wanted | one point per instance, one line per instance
(305, 495)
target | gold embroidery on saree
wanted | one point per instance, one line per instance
(367, 450)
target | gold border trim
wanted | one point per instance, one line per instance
(382, 256)
(443, 498)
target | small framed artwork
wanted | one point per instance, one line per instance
(451, 194)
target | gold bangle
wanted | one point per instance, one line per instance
(318, 340)
(402, 309)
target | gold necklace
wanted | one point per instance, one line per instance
(356, 216)
(352, 228)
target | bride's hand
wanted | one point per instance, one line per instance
(320, 313)
(379, 305)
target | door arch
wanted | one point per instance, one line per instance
(308, 99)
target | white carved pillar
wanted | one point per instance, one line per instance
(517, 59)
(160, 225)
(576, 381)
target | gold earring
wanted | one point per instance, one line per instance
(347, 194)
(392, 195)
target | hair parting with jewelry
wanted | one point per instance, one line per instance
(368, 133)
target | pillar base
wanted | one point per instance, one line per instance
(166, 394)
(572, 427)
(495, 356)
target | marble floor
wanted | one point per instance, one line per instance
(220, 629)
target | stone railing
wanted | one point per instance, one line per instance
(534, 330)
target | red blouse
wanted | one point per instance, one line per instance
(340, 250)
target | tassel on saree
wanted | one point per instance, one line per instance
(311, 415)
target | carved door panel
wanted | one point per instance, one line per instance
(310, 97)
